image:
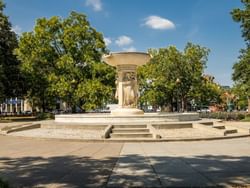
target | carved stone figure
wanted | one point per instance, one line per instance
(127, 93)
(129, 89)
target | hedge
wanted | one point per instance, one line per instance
(225, 115)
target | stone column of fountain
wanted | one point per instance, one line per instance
(127, 87)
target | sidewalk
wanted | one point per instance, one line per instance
(51, 163)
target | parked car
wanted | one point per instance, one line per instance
(204, 109)
(27, 112)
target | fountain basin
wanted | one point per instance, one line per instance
(145, 118)
(127, 58)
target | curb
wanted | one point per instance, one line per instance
(132, 140)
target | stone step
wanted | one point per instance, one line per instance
(230, 131)
(130, 130)
(131, 135)
(130, 126)
(219, 126)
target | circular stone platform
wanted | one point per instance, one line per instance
(113, 119)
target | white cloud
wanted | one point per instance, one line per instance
(123, 41)
(95, 4)
(156, 22)
(129, 49)
(107, 41)
(17, 29)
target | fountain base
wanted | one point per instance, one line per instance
(127, 119)
(126, 112)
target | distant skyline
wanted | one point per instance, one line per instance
(137, 25)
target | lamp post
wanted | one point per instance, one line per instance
(178, 81)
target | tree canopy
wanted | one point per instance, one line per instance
(241, 74)
(11, 81)
(61, 58)
(173, 76)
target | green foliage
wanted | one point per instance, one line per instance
(247, 118)
(44, 116)
(3, 184)
(172, 75)
(11, 81)
(241, 98)
(61, 59)
(242, 16)
(241, 74)
(207, 91)
(224, 115)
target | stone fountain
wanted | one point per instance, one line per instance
(126, 64)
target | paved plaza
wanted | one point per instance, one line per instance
(27, 162)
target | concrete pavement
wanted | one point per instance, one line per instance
(26, 162)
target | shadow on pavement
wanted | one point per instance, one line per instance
(65, 171)
(128, 170)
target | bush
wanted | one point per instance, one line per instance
(224, 115)
(44, 116)
(247, 118)
(241, 116)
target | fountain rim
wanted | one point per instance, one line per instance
(109, 58)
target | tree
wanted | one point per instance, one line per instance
(207, 92)
(241, 74)
(155, 83)
(61, 59)
(1, 83)
(192, 68)
(11, 81)
(172, 76)
(241, 97)
(242, 16)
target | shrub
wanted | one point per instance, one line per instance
(247, 118)
(44, 116)
(224, 115)
(241, 116)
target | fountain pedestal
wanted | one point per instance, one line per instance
(126, 83)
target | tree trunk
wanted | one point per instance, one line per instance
(249, 105)
(182, 104)
(167, 108)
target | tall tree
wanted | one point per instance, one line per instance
(156, 81)
(172, 75)
(241, 96)
(62, 59)
(207, 92)
(192, 69)
(241, 74)
(11, 81)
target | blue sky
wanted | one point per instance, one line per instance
(137, 25)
